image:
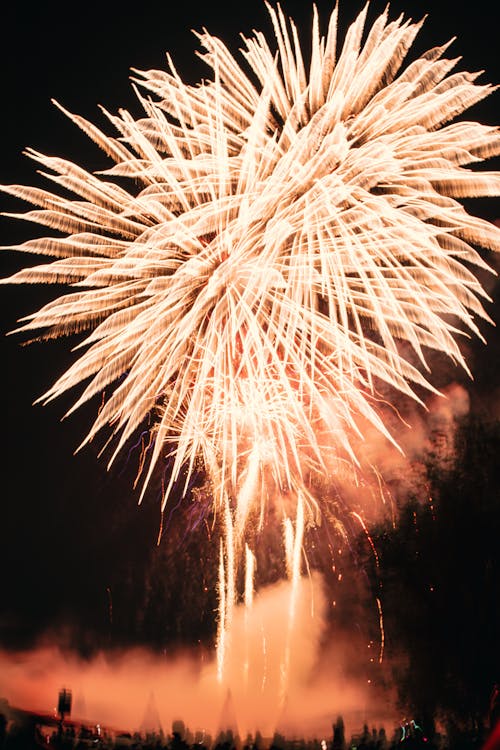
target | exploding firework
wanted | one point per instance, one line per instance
(289, 252)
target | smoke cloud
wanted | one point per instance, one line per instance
(135, 689)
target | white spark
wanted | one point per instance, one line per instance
(290, 239)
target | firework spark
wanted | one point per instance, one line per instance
(290, 247)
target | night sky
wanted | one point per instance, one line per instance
(69, 531)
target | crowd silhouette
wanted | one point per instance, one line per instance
(32, 733)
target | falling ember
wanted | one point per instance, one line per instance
(290, 250)
(382, 631)
(294, 540)
(221, 627)
(249, 576)
(249, 590)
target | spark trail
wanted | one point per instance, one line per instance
(290, 246)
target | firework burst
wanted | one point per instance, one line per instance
(290, 246)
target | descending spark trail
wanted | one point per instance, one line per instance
(290, 249)
(249, 590)
(293, 546)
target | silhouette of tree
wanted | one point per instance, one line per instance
(439, 573)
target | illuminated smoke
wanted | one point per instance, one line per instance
(116, 689)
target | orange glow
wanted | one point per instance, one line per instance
(288, 254)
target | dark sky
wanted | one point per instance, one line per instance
(66, 527)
